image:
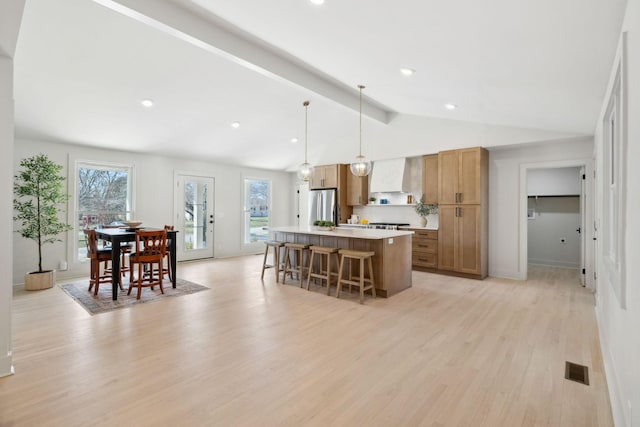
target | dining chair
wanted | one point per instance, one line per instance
(98, 256)
(125, 248)
(151, 247)
(166, 270)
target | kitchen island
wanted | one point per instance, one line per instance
(392, 259)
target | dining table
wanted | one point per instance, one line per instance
(117, 236)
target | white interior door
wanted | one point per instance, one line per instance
(195, 216)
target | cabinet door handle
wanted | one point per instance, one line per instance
(423, 259)
(459, 197)
(423, 246)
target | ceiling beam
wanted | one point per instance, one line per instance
(211, 33)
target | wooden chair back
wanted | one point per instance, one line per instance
(151, 245)
(92, 243)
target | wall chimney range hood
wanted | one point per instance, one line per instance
(390, 176)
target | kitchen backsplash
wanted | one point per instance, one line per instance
(394, 213)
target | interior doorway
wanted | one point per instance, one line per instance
(555, 217)
(556, 210)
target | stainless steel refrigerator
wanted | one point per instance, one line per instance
(323, 205)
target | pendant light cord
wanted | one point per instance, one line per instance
(306, 110)
(361, 87)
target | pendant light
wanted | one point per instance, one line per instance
(360, 167)
(305, 170)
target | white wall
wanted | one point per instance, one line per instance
(553, 182)
(10, 19)
(6, 193)
(154, 177)
(556, 220)
(618, 327)
(505, 233)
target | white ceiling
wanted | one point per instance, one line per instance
(81, 69)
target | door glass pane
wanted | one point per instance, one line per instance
(195, 215)
(257, 210)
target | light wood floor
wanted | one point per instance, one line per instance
(447, 352)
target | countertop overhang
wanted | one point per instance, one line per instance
(356, 233)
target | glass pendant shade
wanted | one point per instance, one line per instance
(361, 167)
(305, 171)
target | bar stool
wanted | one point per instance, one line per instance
(277, 246)
(297, 266)
(361, 256)
(321, 251)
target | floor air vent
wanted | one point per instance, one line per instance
(577, 373)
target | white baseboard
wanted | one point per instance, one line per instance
(6, 365)
(553, 263)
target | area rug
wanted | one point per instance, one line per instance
(102, 303)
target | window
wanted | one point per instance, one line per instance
(257, 210)
(103, 197)
(612, 143)
(612, 181)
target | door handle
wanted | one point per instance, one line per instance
(578, 230)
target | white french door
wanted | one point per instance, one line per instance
(195, 216)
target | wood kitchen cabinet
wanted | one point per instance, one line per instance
(424, 249)
(463, 211)
(357, 190)
(430, 179)
(324, 176)
(462, 176)
(461, 240)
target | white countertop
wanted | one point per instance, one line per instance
(419, 227)
(356, 233)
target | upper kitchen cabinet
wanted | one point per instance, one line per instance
(430, 179)
(357, 190)
(324, 176)
(462, 176)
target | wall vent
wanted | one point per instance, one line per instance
(577, 373)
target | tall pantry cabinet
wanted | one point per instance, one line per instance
(463, 211)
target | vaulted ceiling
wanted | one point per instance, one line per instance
(535, 68)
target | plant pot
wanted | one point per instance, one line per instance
(37, 281)
(423, 221)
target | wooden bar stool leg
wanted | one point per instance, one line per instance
(361, 280)
(310, 268)
(373, 282)
(264, 261)
(276, 262)
(328, 273)
(339, 288)
(287, 262)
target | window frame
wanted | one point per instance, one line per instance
(245, 209)
(78, 163)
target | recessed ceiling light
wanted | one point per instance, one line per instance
(450, 106)
(407, 71)
(294, 140)
(317, 1)
(147, 103)
(235, 125)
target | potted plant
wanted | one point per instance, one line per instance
(372, 200)
(423, 209)
(324, 225)
(38, 196)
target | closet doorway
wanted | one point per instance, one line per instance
(555, 217)
(556, 212)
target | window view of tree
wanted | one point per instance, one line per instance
(102, 198)
(257, 210)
